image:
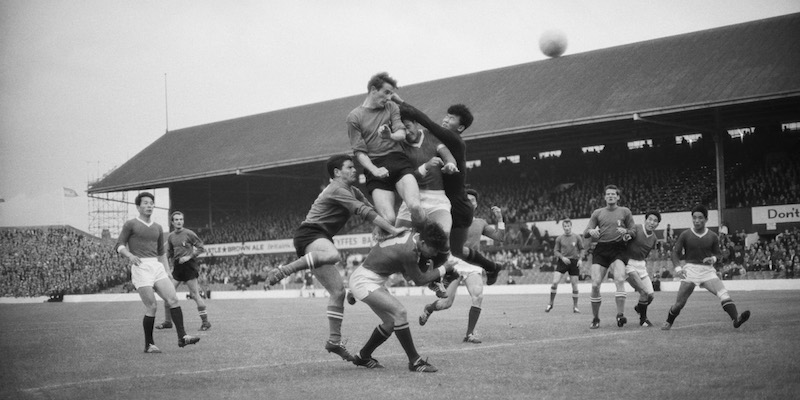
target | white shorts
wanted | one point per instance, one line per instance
(465, 269)
(638, 266)
(699, 273)
(430, 200)
(147, 273)
(363, 282)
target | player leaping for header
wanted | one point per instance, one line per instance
(455, 122)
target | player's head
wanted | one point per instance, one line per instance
(433, 240)
(413, 132)
(145, 202)
(176, 218)
(381, 87)
(567, 225)
(458, 118)
(611, 194)
(473, 197)
(651, 220)
(342, 166)
(699, 216)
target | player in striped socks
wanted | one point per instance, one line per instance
(699, 249)
(313, 241)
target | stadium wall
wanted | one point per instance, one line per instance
(666, 286)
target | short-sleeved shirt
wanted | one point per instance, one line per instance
(696, 247)
(609, 220)
(421, 152)
(639, 247)
(143, 240)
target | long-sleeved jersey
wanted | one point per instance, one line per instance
(454, 184)
(334, 206)
(419, 153)
(183, 243)
(569, 246)
(609, 221)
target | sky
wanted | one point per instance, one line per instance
(87, 84)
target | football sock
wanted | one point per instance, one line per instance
(148, 323)
(335, 317)
(177, 319)
(403, 333)
(672, 315)
(730, 308)
(376, 339)
(202, 311)
(619, 298)
(574, 299)
(596, 301)
(552, 293)
(430, 308)
(474, 313)
(643, 309)
(307, 261)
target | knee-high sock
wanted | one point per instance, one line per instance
(403, 333)
(177, 319)
(376, 339)
(203, 313)
(553, 291)
(575, 299)
(307, 261)
(596, 301)
(167, 316)
(619, 298)
(474, 314)
(673, 313)
(335, 317)
(148, 323)
(730, 308)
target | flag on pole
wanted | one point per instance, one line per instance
(70, 192)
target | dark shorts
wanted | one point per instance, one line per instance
(461, 210)
(572, 267)
(398, 165)
(185, 272)
(606, 253)
(307, 234)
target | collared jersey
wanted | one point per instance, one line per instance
(362, 128)
(183, 243)
(569, 246)
(609, 221)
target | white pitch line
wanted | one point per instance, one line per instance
(309, 362)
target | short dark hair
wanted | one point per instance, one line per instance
(336, 162)
(379, 79)
(566, 221)
(701, 209)
(463, 113)
(433, 234)
(139, 197)
(652, 212)
(473, 192)
(174, 213)
(611, 187)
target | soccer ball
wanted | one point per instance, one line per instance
(553, 43)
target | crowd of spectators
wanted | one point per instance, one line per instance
(53, 261)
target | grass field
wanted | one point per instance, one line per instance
(273, 349)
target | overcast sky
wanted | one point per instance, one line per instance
(82, 83)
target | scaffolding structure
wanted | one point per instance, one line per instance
(107, 211)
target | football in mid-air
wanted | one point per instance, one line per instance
(553, 43)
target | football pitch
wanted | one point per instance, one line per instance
(273, 349)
